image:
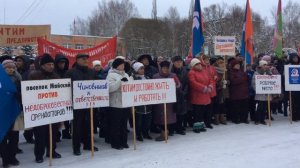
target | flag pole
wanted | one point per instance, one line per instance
(92, 131)
(50, 145)
(134, 127)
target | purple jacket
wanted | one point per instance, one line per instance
(238, 88)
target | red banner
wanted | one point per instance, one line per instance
(103, 52)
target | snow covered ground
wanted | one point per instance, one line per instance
(230, 146)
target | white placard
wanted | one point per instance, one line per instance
(268, 84)
(146, 92)
(46, 101)
(292, 77)
(224, 45)
(89, 94)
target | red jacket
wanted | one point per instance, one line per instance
(238, 87)
(199, 82)
(212, 73)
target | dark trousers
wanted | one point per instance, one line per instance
(28, 134)
(8, 146)
(239, 110)
(143, 122)
(81, 129)
(180, 122)
(252, 107)
(103, 122)
(199, 112)
(295, 106)
(261, 111)
(41, 134)
(118, 119)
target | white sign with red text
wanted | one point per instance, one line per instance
(146, 92)
(90, 94)
(46, 101)
(268, 84)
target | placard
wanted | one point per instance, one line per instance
(89, 94)
(292, 77)
(146, 92)
(224, 45)
(268, 84)
(46, 101)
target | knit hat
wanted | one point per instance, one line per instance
(267, 58)
(120, 56)
(194, 62)
(117, 62)
(165, 64)
(46, 58)
(177, 58)
(262, 63)
(82, 55)
(137, 65)
(8, 63)
(234, 62)
(96, 62)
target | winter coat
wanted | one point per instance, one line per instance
(61, 72)
(150, 71)
(250, 74)
(260, 97)
(78, 73)
(238, 88)
(158, 109)
(221, 91)
(212, 73)
(182, 93)
(114, 80)
(25, 70)
(142, 109)
(199, 81)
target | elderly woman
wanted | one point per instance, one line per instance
(159, 109)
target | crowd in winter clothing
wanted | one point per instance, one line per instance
(209, 91)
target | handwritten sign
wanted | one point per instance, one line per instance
(224, 45)
(292, 77)
(89, 94)
(268, 84)
(145, 92)
(46, 101)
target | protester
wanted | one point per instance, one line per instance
(158, 110)
(81, 122)
(118, 116)
(181, 94)
(200, 91)
(9, 145)
(239, 93)
(143, 113)
(252, 102)
(261, 99)
(150, 69)
(41, 133)
(295, 60)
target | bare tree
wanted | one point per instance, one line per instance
(154, 10)
(79, 27)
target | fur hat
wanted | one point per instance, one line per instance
(262, 63)
(82, 55)
(46, 58)
(234, 62)
(8, 63)
(117, 62)
(137, 65)
(96, 62)
(165, 64)
(177, 58)
(194, 62)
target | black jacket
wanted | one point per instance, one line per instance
(61, 72)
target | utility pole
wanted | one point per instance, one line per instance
(154, 10)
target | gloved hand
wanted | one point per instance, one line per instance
(124, 79)
(225, 82)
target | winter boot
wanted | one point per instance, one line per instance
(223, 119)
(161, 137)
(216, 119)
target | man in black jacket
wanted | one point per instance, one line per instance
(81, 122)
(41, 133)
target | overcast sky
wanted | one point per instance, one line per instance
(61, 13)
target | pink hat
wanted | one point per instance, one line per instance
(8, 63)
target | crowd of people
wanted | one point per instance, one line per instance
(209, 90)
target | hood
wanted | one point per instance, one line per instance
(26, 61)
(60, 57)
(141, 57)
(293, 55)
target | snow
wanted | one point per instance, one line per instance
(230, 146)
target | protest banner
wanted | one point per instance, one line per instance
(145, 92)
(268, 84)
(90, 94)
(103, 52)
(292, 77)
(18, 35)
(46, 101)
(224, 45)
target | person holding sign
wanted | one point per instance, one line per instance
(117, 116)
(239, 93)
(143, 113)
(81, 122)
(158, 110)
(41, 133)
(261, 99)
(294, 60)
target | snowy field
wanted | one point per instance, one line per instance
(230, 146)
